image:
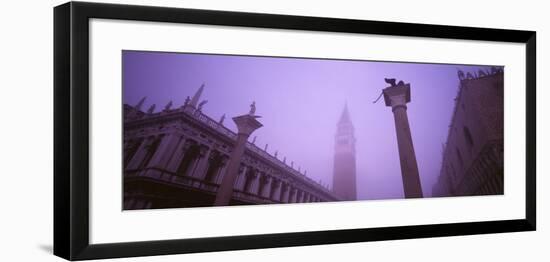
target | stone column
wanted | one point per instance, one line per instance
(283, 192)
(140, 154)
(397, 97)
(287, 194)
(246, 124)
(164, 151)
(292, 195)
(255, 181)
(265, 186)
(275, 191)
(249, 178)
(173, 162)
(221, 171)
(202, 163)
(241, 178)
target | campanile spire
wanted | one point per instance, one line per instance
(344, 177)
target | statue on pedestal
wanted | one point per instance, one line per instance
(252, 111)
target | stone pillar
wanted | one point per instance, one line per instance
(288, 193)
(140, 154)
(283, 192)
(180, 153)
(265, 186)
(202, 163)
(241, 178)
(249, 178)
(275, 191)
(259, 184)
(192, 166)
(221, 171)
(292, 195)
(255, 181)
(173, 162)
(246, 124)
(164, 151)
(397, 97)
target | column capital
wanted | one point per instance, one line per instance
(397, 96)
(246, 124)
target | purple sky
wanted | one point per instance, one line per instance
(300, 101)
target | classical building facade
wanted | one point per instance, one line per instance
(344, 177)
(177, 158)
(472, 161)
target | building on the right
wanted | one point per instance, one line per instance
(473, 156)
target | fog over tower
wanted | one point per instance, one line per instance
(344, 181)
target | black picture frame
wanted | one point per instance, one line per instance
(71, 130)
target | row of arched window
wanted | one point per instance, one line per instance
(189, 156)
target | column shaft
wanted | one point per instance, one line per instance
(407, 156)
(139, 155)
(225, 190)
(164, 151)
(265, 187)
(202, 164)
(176, 156)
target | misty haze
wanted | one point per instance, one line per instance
(204, 130)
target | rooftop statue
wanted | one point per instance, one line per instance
(187, 99)
(140, 103)
(460, 74)
(201, 104)
(481, 73)
(252, 111)
(390, 81)
(168, 106)
(151, 109)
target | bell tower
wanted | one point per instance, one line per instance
(344, 181)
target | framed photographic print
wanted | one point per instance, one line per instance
(180, 130)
